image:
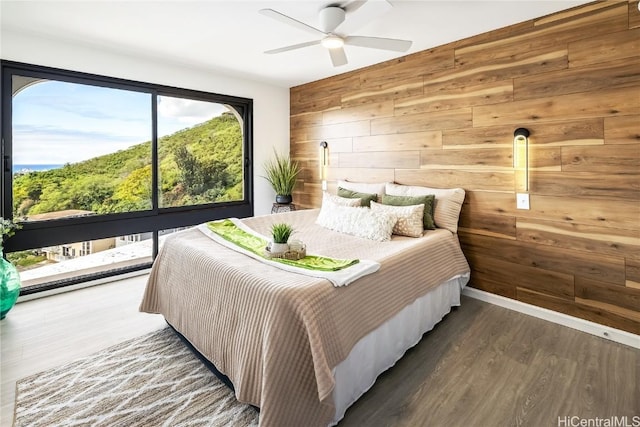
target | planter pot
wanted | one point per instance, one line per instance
(9, 286)
(278, 248)
(284, 199)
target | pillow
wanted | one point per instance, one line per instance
(428, 202)
(448, 202)
(409, 221)
(364, 187)
(340, 201)
(365, 198)
(357, 221)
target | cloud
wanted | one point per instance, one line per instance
(46, 144)
(187, 110)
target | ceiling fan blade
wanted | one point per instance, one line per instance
(360, 13)
(290, 21)
(379, 43)
(338, 56)
(293, 47)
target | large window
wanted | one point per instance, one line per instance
(97, 169)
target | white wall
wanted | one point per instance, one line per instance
(270, 103)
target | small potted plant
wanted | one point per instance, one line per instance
(281, 172)
(280, 234)
(9, 276)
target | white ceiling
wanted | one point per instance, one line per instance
(230, 37)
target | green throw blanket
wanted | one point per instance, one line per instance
(232, 233)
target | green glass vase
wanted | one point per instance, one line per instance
(9, 286)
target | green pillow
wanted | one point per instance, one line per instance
(428, 202)
(365, 198)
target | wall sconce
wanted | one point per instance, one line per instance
(323, 162)
(521, 167)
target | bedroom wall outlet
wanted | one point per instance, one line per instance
(324, 185)
(522, 200)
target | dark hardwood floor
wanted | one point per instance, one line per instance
(485, 365)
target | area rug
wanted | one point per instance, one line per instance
(153, 380)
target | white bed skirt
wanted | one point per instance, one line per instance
(383, 347)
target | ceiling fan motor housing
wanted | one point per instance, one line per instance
(330, 18)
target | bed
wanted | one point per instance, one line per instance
(297, 346)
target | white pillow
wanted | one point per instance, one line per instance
(364, 187)
(448, 202)
(357, 221)
(340, 201)
(409, 218)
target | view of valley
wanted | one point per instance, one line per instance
(201, 164)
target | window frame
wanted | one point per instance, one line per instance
(40, 234)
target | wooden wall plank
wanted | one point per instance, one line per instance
(576, 106)
(603, 75)
(607, 158)
(604, 48)
(616, 242)
(398, 142)
(605, 314)
(488, 225)
(615, 214)
(482, 283)
(545, 300)
(385, 90)
(586, 184)
(443, 99)
(605, 268)
(324, 94)
(622, 130)
(380, 159)
(488, 158)
(356, 113)
(471, 180)
(340, 130)
(303, 120)
(360, 174)
(454, 119)
(633, 273)
(620, 296)
(548, 282)
(621, 214)
(520, 64)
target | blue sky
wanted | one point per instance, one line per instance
(56, 122)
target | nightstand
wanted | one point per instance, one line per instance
(278, 207)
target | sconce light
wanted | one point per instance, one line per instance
(323, 162)
(521, 154)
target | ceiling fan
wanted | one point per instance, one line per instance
(334, 29)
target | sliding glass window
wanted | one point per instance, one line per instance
(98, 170)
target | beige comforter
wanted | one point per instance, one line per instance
(277, 335)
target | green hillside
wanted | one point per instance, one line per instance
(201, 164)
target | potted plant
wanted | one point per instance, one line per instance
(280, 234)
(9, 277)
(281, 173)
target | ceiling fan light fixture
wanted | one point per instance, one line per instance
(332, 42)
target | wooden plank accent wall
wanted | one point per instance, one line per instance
(445, 118)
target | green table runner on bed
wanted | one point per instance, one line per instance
(255, 244)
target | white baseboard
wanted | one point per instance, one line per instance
(612, 334)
